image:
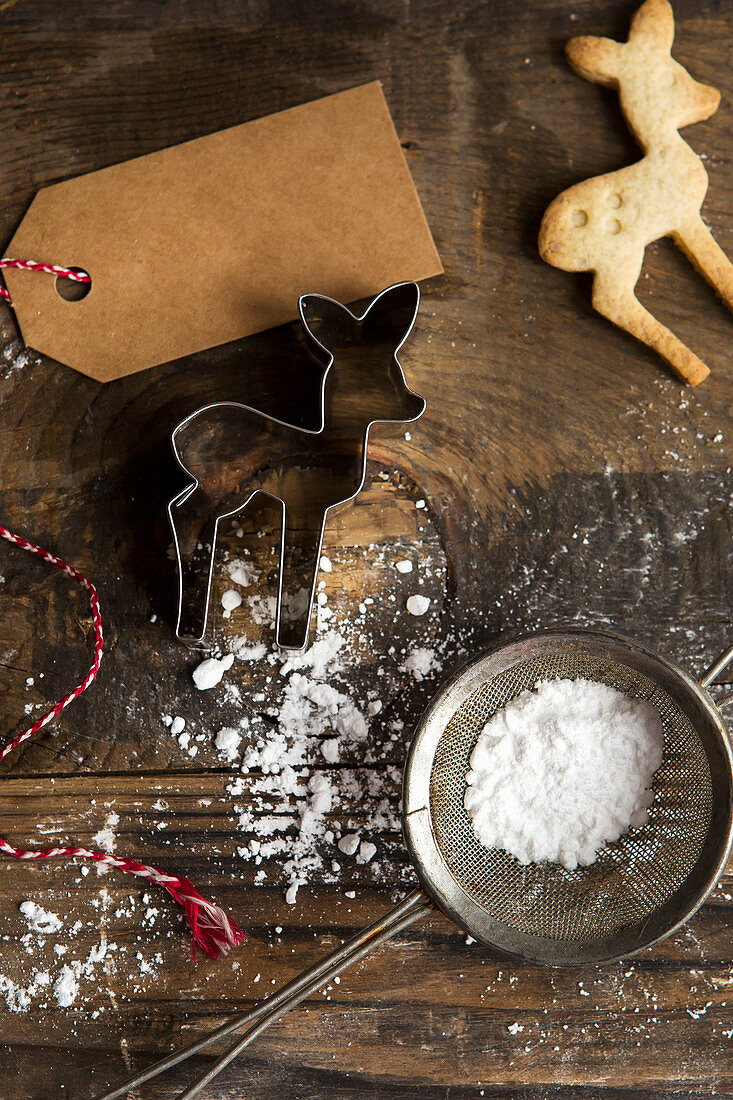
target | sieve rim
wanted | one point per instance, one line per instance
(433, 871)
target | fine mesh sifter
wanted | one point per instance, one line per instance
(638, 890)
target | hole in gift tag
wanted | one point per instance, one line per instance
(73, 290)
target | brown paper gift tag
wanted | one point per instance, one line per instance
(217, 238)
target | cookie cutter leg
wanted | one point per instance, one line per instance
(194, 534)
(299, 563)
(195, 526)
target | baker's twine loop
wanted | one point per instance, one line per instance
(212, 929)
(49, 269)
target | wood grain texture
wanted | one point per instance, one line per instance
(568, 478)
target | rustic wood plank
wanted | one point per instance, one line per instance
(567, 478)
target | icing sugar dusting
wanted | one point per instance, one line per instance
(39, 919)
(562, 770)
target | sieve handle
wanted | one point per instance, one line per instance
(707, 678)
(415, 906)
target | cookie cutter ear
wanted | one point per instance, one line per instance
(653, 25)
(595, 59)
(326, 321)
(392, 314)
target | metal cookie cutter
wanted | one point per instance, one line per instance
(232, 452)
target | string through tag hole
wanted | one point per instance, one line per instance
(66, 277)
(73, 290)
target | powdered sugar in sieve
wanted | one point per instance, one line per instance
(562, 770)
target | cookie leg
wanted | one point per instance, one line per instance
(616, 301)
(702, 250)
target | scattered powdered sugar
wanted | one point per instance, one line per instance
(54, 979)
(294, 805)
(17, 998)
(209, 673)
(320, 658)
(66, 987)
(16, 357)
(39, 919)
(562, 770)
(309, 708)
(421, 662)
(262, 608)
(244, 651)
(314, 733)
(177, 727)
(105, 838)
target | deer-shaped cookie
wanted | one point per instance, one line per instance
(604, 224)
(232, 452)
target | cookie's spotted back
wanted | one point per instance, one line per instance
(605, 223)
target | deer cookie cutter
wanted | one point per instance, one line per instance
(604, 224)
(232, 452)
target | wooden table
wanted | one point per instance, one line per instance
(568, 478)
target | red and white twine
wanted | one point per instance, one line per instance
(213, 931)
(49, 269)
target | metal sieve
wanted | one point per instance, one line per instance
(638, 890)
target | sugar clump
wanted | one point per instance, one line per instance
(349, 844)
(241, 572)
(230, 601)
(209, 673)
(66, 987)
(330, 749)
(227, 742)
(418, 605)
(39, 919)
(366, 851)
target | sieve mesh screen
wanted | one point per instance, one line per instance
(630, 878)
